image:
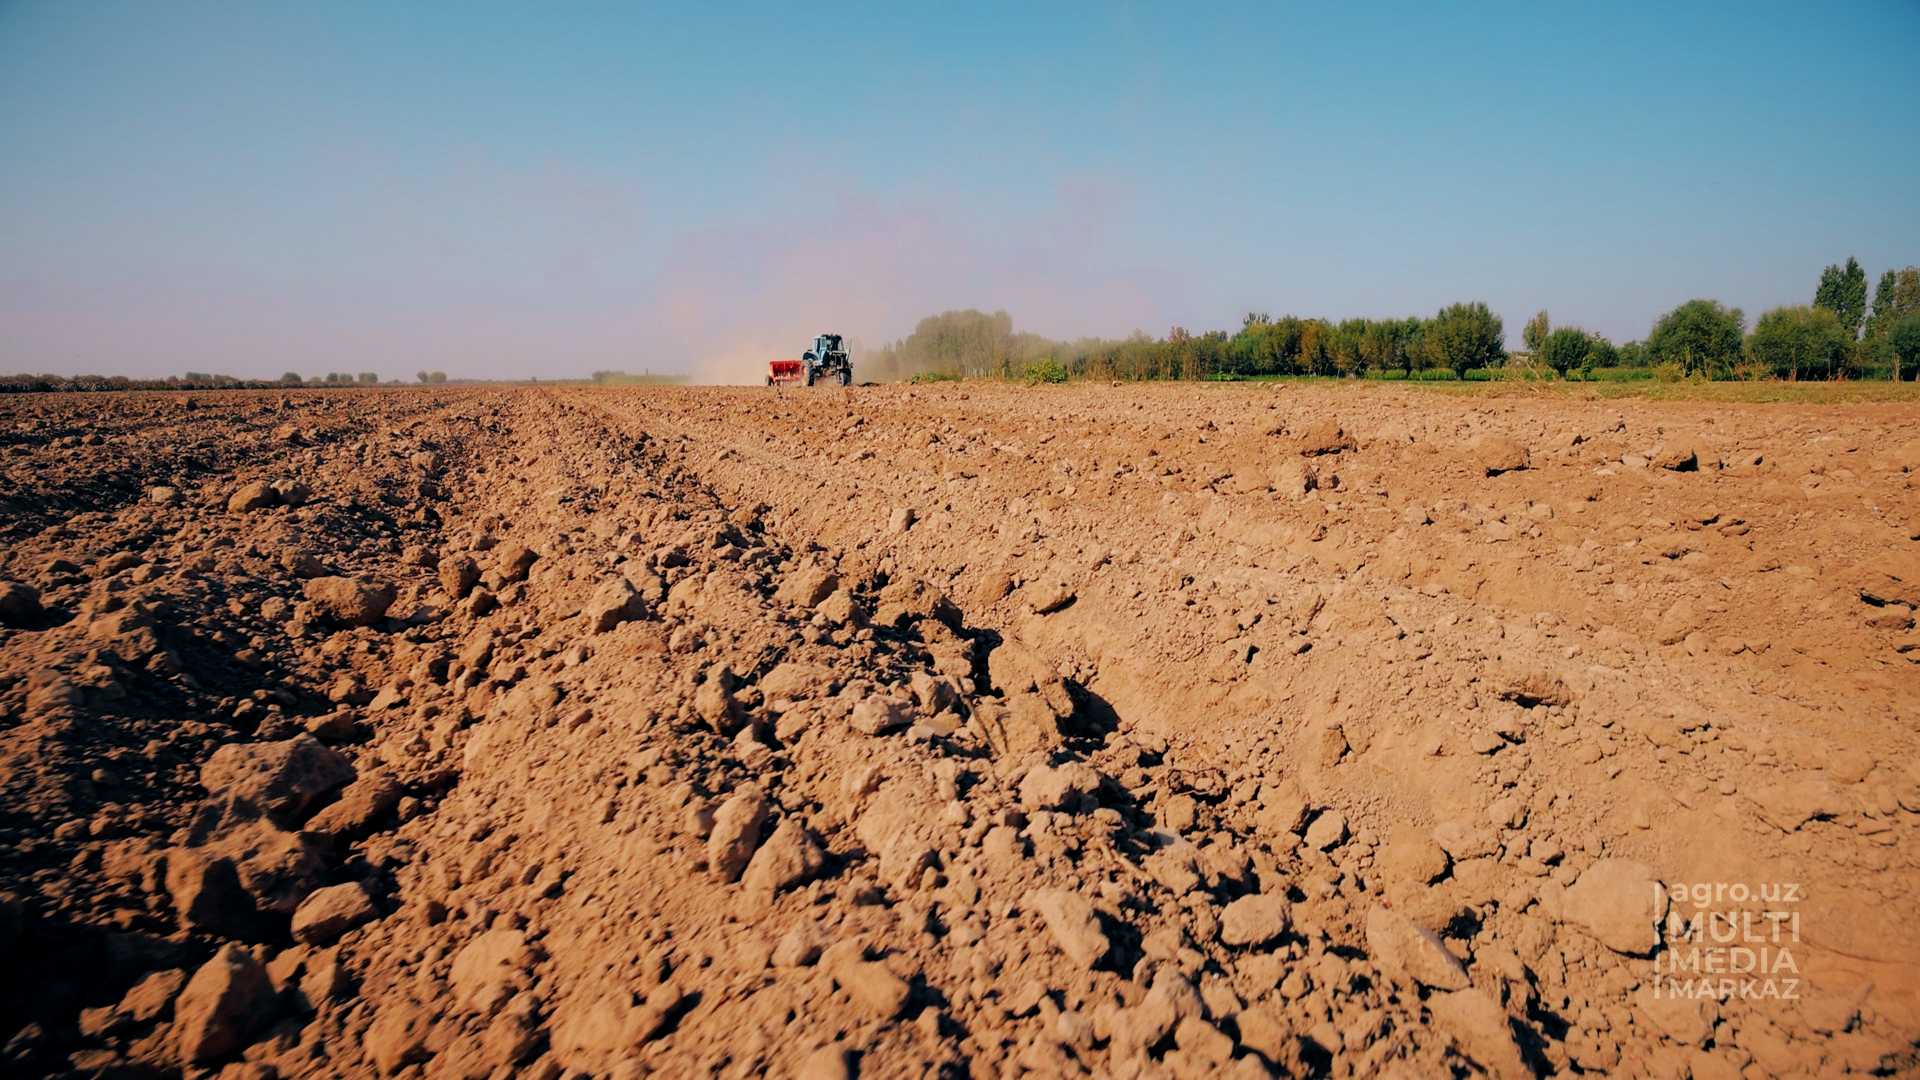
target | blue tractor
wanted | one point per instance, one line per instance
(827, 361)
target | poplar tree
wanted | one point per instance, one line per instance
(1843, 291)
(1534, 334)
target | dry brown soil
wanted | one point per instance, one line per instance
(969, 730)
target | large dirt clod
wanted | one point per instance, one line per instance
(349, 602)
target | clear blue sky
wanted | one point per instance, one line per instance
(549, 189)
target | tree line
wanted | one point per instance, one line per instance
(192, 380)
(1838, 335)
(959, 345)
(973, 344)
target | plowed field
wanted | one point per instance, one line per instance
(962, 730)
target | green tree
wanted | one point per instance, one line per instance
(1896, 297)
(1267, 347)
(292, 377)
(1877, 319)
(1383, 344)
(1210, 353)
(1843, 291)
(1906, 293)
(1316, 347)
(1701, 336)
(971, 344)
(1419, 357)
(968, 343)
(1534, 334)
(1903, 340)
(1348, 358)
(369, 377)
(1465, 336)
(1795, 339)
(1566, 348)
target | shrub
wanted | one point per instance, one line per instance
(1045, 370)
